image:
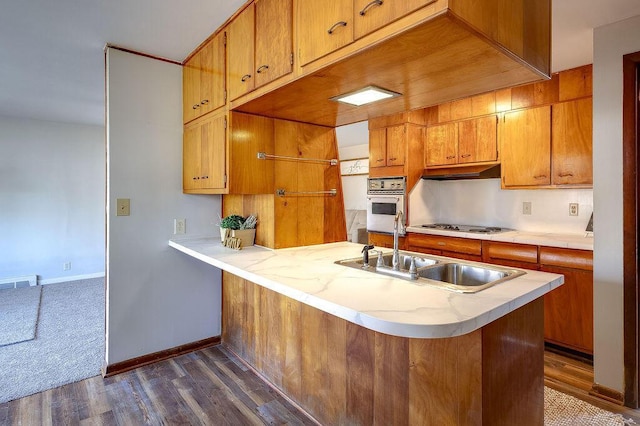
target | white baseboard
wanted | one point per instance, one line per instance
(71, 278)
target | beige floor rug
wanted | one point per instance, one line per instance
(564, 410)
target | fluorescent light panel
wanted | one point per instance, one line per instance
(365, 95)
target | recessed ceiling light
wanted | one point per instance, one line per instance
(365, 95)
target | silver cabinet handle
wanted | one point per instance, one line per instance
(245, 77)
(262, 68)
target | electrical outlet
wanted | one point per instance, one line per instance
(179, 226)
(573, 209)
(66, 266)
(526, 207)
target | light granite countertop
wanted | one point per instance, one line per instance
(573, 241)
(378, 302)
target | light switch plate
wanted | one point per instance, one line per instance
(526, 207)
(123, 207)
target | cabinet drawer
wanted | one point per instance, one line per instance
(452, 244)
(567, 258)
(510, 251)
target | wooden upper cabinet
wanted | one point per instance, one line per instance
(260, 45)
(378, 147)
(191, 88)
(525, 147)
(387, 146)
(273, 40)
(240, 48)
(323, 26)
(572, 156)
(477, 140)
(370, 15)
(469, 141)
(204, 155)
(203, 78)
(396, 145)
(441, 144)
(212, 74)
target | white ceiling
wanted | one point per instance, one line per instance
(51, 52)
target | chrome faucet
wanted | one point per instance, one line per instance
(398, 226)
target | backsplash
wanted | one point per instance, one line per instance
(482, 202)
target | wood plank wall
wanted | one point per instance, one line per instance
(342, 373)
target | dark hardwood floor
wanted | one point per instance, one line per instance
(207, 387)
(575, 378)
(212, 387)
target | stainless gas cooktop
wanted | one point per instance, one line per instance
(466, 228)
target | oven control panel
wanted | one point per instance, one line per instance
(387, 185)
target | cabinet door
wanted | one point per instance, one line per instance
(324, 26)
(396, 145)
(240, 46)
(571, 131)
(477, 140)
(369, 15)
(568, 310)
(441, 145)
(377, 147)
(191, 88)
(274, 40)
(213, 152)
(191, 158)
(212, 75)
(525, 147)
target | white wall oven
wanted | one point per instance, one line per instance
(386, 196)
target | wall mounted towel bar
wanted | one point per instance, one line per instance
(281, 192)
(264, 156)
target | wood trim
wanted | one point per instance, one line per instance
(146, 55)
(630, 182)
(607, 394)
(130, 364)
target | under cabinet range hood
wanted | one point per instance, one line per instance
(487, 171)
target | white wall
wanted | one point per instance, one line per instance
(157, 298)
(353, 142)
(482, 202)
(611, 42)
(52, 199)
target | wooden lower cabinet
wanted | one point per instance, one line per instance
(342, 373)
(459, 248)
(568, 310)
(386, 240)
(510, 254)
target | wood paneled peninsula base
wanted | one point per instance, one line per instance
(342, 373)
(353, 348)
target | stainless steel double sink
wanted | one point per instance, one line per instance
(455, 275)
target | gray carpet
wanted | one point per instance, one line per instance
(69, 343)
(19, 309)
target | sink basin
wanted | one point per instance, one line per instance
(468, 278)
(458, 276)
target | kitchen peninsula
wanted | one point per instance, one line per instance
(353, 347)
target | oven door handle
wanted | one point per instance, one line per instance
(383, 199)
